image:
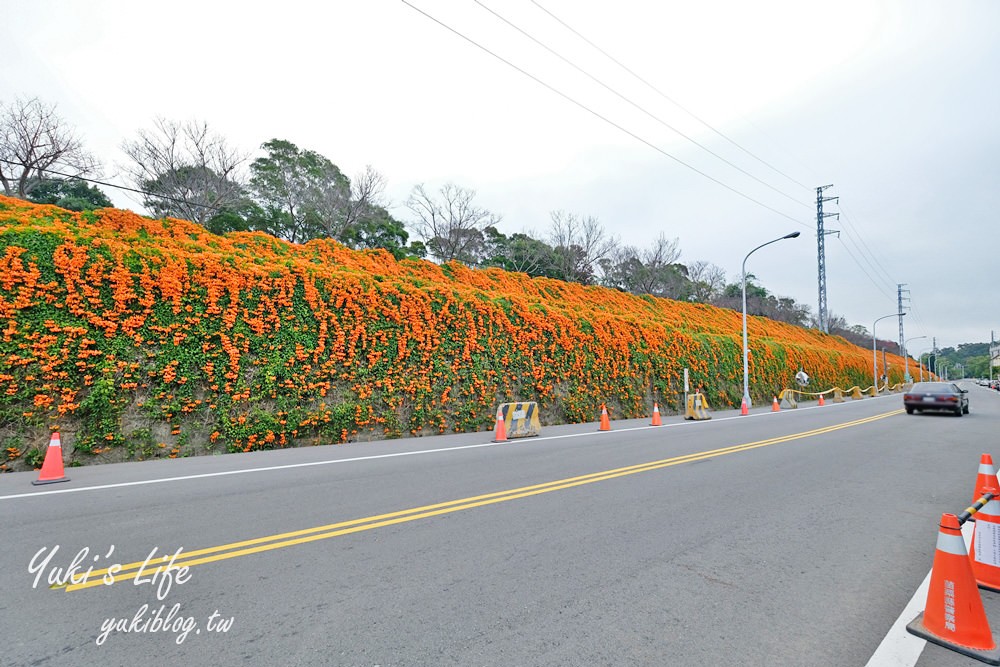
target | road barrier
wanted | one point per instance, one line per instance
(697, 407)
(954, 616)
(791, 397)
(519, 419)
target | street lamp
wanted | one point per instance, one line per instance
(875, 353)
(921, 363)
(906, 356)
(746, 351)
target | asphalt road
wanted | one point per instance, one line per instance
(794, 538)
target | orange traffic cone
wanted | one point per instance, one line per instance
(744, 409)
(605, 423)
(953, 616)
(821, 401)
(774, 406)
(985, 552)
(656, 416)
(987, 477)
(52, 466)
(500, 434)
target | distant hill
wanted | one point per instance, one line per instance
(140, 338)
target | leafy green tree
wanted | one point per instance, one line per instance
(242, 217)
(72, 194)
(762, 303)
(376, 228)
(302, 194)
(518, 252)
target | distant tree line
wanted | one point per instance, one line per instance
(187, 171)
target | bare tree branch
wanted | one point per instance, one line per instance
(451, 224)
(708, 281)
(186, 170)
(580, 244)
(33, 138)
(367, 190)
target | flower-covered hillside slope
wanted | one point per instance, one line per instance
(138, 338)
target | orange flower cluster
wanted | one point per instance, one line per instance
(127, 324)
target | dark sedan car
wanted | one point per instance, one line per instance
(937, 396)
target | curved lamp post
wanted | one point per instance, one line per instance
(875, 354)
(746, 352)
(906, 356)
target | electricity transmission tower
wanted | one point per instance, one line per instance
(900, 298)
(824, 321)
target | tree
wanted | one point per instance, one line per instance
(378, 229)
(366, 196)
(707, 281)
(451, 224)
(33, 141)
(72, 194)
(185, 170)
(518, 252)
(760, 302)
(653, 270)
(302, 194)
(579, 245)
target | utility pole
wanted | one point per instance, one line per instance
(934, 350)
(824, 323)
(991, 355)
(901, 298)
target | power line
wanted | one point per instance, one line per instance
(849, 218)
(665, 96)
(638, 106)
(601, 117)
(854, 241)
(864, 271)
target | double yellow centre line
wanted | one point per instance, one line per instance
(257, 545)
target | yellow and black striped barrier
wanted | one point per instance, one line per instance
(521, 419)
(697, 407)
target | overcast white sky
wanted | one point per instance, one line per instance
(894, 102)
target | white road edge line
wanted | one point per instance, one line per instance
(899, 648)
(289, 466)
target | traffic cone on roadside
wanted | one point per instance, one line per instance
(985, 552)
(52, 466)
(954, 616)
(821, 401)
(744, 409)
(656, 416)
(500, 434)
(605, 422)
(774, 406)
(986, 478)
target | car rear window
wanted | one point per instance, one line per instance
(931, 386)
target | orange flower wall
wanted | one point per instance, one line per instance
(142, 338)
